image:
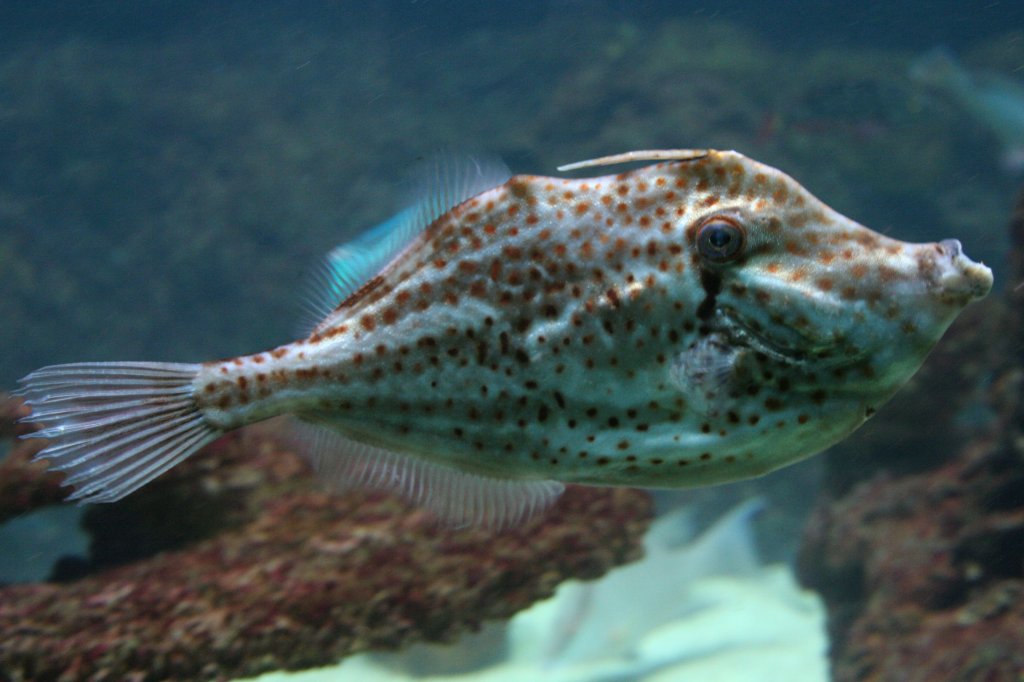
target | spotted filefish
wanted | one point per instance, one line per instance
(695, 321)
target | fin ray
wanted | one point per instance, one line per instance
(121, 448)
(89, 444)
(456, 496)
(146, 467)
(439, 185)
(107, 415)
(639, 155)
(114, 426)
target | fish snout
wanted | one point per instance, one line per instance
(956, 276)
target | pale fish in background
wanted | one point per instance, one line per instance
(609, 617)
(700, 320)
(699, 608)
(994, 101)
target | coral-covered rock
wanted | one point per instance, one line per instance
(288, 576)
(24, 485)
(923, 570)
(11, 410)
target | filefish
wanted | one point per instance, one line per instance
(699, 320)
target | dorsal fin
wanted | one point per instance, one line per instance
(438, 185)
(640, 155)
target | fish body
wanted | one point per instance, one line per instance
(700, 320)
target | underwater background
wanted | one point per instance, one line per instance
(170, 171)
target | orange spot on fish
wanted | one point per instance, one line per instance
(887, 274)
(795, 248)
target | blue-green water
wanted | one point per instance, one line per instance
(169, 171)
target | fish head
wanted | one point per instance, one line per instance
(808, 321)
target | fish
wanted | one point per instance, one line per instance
(609, 618)
(994, 101)
(658, 618)
(700, 319)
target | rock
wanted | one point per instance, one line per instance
(921, 566)
(287, 576)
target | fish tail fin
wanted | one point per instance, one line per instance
(115, 426)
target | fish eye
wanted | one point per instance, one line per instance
(720, 240)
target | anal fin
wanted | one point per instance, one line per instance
(458, 497)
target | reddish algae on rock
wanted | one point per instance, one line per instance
(292, 577)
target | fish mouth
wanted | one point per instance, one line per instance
(958, 277)
(785, 345)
